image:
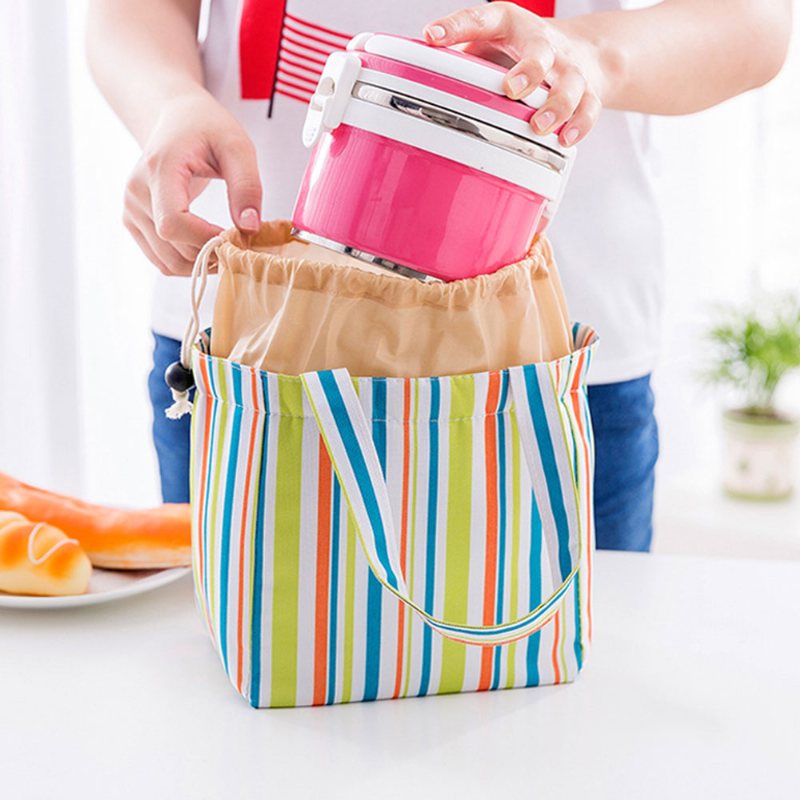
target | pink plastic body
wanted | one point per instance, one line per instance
(414, 208)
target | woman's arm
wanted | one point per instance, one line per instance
(143, 56)
(145, 59)
(676, 57)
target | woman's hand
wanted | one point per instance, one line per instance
(537, 50)
(194, 140)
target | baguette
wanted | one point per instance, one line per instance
(115, 538)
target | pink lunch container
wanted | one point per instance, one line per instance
(421, 164)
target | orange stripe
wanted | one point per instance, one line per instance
(323, 575)
(403, 533)
(490, 568)
(556, 637)
(204, 471)
(248, 473)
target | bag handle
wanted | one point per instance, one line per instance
(346, 433)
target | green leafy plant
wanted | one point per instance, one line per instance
(753, 349)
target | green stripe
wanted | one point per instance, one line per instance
(220, 446)
(563, 634)
(194, 447)
(459, 508)
(515, 542)
(349, 610)
(413, 528)
(349, 601)
(286, 554)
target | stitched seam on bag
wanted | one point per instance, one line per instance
(296, 379)
(424, 420)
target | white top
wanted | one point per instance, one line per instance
(607, 232)
(691, 690)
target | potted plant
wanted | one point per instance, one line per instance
(753, 351)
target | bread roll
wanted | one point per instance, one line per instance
(38, 559)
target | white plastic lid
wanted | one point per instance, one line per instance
(442, 61)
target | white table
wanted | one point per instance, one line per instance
(693, 515)
(692, 691)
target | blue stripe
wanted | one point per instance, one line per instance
(589, 476)
(258, 557)
(587, 417)
(535, 593)
(355, 457)
(227, 512)
(374, 590)
(550, 466)
(577, 640)
(502, 520)
(430, 541)
(334, 590)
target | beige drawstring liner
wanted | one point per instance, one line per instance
(290, 307)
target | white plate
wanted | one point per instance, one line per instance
(104, 586)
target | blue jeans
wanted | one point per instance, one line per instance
(626, 449)
(170, 436)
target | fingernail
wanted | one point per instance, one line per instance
(249, 220)
(544, 120)
(570, 135)
(435, 32)
(518, 84)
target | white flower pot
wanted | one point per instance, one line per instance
(759, 459)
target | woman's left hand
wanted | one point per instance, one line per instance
(537, 50)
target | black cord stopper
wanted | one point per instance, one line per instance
(178, 377)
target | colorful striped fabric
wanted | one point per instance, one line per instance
(369, 538)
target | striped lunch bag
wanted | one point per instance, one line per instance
(365, 538)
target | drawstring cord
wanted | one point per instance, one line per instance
(179, 375)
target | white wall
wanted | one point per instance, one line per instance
(730, 185)
(114, 289)
(40, 436)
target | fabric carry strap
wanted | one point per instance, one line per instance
(346, 433)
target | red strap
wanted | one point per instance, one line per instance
(259, 38)
(544, 8)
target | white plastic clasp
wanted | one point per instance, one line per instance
(551, 207)
(329, 101)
